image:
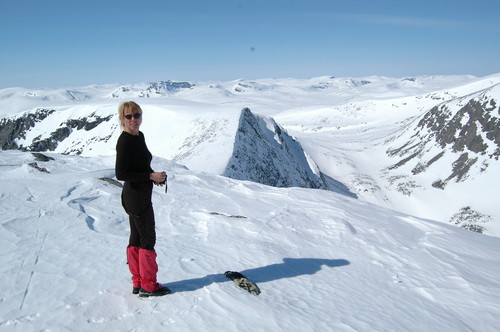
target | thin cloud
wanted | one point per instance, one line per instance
(405, 20)
(393, 20)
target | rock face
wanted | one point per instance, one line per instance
(452, 143)
(466, 129)
(14, 130)
(264, 153)
(472, 220)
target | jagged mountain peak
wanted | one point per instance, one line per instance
(265, 153)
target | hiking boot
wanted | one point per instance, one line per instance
(135, 290)
(160, 291)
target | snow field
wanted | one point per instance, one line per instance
(322, 260)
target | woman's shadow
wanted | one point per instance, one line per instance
(291, 267)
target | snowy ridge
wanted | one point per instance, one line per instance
(323, 261)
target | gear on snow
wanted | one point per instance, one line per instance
(243, 282)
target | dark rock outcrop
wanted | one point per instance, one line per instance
(14, 129)
(468, 128)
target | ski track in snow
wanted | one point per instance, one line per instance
(322, 260)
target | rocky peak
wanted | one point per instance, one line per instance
(265, 153)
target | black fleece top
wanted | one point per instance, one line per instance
(133, 159)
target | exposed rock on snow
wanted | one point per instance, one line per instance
(156, 89)
(15, 128)
(472, 220)
(468, 127)
(452, 142)
(14, 131)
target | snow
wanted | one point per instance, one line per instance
(322, 260)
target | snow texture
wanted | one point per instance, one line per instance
(322, 260)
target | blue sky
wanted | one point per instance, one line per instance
(70, 43)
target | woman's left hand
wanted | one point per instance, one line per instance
(158, 178)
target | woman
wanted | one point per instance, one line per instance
(133, 165)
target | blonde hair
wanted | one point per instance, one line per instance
(131, 106)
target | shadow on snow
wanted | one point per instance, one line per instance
(290, 268)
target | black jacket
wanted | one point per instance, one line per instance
(133, 161)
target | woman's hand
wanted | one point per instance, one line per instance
(158, 178)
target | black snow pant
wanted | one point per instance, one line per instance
(136, 200)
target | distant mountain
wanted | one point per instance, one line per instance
(467, 127)
(455, 141)
(156, 89)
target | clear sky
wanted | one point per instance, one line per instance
(70, 43)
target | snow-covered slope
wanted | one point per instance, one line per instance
(323, 261)
(454, 143)
(349, 134)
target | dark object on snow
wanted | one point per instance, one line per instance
(227, 215)
(41, 157)
(38, 168)
(112, 181)
(243, 282)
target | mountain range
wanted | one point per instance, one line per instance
(426, 145)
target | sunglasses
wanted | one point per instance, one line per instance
(135, 116)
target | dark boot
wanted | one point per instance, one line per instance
(160, 291)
